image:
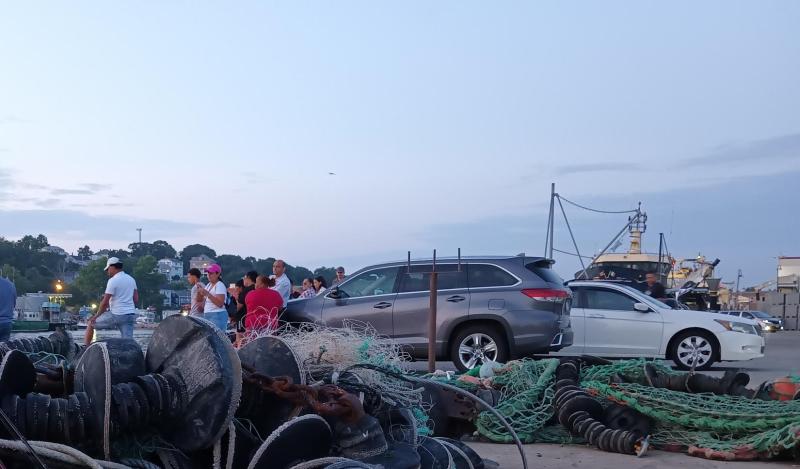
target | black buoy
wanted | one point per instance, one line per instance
(268, 356)
(301, 439)
(189, 395)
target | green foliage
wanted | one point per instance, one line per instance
(158, 249)
(28, 267)
(194, 250)
(91, 280)
(85, 252)
(148, 282)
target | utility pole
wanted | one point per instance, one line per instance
(736, 299)
(552, 216)
(140, 235)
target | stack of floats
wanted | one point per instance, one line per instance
(193, 401)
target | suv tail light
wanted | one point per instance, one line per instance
(546, 294)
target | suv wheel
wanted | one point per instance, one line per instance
(476, 344)
(694, 347)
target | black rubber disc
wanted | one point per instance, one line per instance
(93, 377)
(201, 355)
(127, 359)
(474, 459)
(269, 356)
(301, 439)
(17, 374)
(398, 456)
(433, 454)
(332, 463)
(460, 460)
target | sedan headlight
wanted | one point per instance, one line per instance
(738, 326)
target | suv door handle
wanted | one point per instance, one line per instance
(456, 299)
(382, 305)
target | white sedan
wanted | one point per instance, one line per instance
(617, 321)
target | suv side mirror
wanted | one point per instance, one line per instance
(641, 307)
(336, 294)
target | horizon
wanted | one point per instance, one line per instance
(349, 134)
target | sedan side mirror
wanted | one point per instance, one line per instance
(641, 307)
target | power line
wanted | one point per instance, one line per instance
(594, 209)
(571, 253)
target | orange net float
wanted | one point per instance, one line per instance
(780, 389)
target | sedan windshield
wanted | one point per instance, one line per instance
(761, 314)
(644, 298)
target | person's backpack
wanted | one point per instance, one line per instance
(230, 305)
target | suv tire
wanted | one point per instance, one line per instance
(689, 344)
(475, 343)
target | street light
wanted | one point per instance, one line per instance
(94, 305)
(59, 287)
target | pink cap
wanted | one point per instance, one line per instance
(214, 268)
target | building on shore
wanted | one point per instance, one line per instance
(172, 269)
(788, 274)
(201, 262)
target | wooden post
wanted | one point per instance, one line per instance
(432, 317)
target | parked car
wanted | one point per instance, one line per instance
(492, 308)
(617, 321)
(767, 321)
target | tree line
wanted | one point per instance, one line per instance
(33, 269)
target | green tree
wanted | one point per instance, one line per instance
(33, 243)
(148, 282)
(92, 279)
(159, 249)
(85, 252)
(328, 273)
(194, 250)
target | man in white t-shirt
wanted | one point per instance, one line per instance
(120, 299)
(282, 283)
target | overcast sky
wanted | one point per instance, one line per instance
(444, 123)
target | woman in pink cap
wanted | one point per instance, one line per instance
(214, 294)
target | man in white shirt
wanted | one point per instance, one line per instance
(282, 283)
(120, 298)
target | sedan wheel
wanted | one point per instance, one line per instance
(693, 351)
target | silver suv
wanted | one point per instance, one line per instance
(494, 308)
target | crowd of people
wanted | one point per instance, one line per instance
(252, 303)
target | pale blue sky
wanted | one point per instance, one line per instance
(444, 122)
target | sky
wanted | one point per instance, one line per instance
(443, 124)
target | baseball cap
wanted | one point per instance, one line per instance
(111, 261)
(214, 268)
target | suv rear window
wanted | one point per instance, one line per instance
(487, 275)
(545, 273)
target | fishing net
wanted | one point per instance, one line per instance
(719, 423)
(527, 388)
(338, 355)
(708, 425)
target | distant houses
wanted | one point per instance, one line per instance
(172, 269)
(201, 262)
